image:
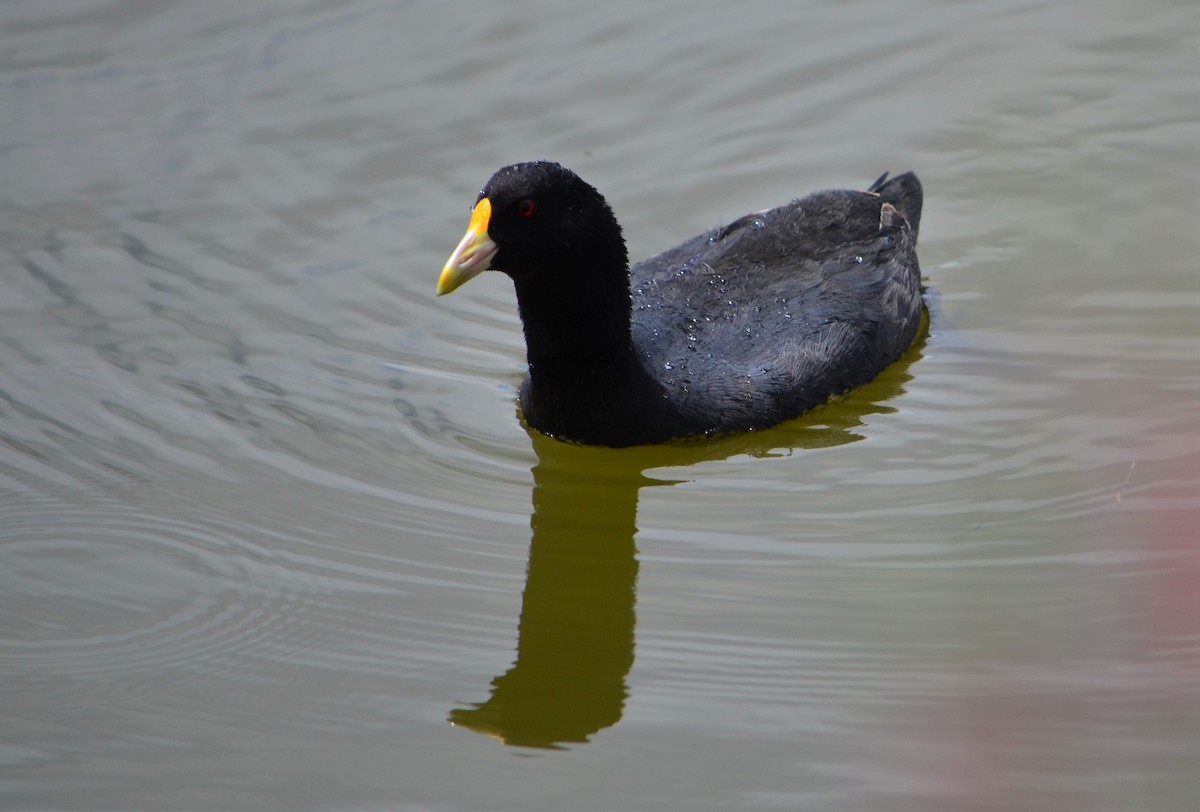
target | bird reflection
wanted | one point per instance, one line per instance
(575, 643)
(576, 635)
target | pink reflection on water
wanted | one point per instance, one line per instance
(1097, 709)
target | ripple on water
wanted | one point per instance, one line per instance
(105, 589)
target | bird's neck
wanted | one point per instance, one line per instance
(578, 331)
(575, 310)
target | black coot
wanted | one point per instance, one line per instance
(738, 328)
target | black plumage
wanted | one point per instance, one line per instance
(738, 328)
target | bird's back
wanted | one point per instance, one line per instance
(760, 320)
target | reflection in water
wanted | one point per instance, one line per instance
(575, 644)
(576, 635)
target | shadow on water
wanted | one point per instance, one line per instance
(576, 634)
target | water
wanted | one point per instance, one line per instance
(271, 535)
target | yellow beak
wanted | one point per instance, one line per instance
(474, 253)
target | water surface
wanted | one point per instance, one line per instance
(272, 535)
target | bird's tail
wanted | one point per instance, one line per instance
(904, 192)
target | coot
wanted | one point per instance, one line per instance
(738, 328)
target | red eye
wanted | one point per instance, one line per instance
(526, 208)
